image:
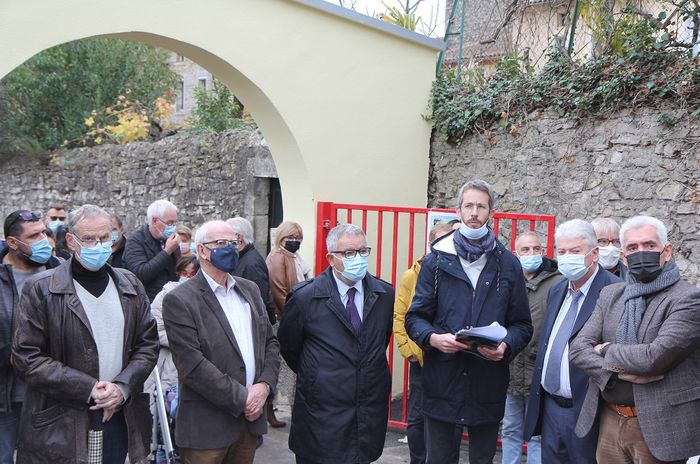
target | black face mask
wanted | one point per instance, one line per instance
(644, 265)
(292, 246)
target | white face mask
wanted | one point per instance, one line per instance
(608, 256)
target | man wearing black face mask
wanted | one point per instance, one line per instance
(226, 355)
(641, 348)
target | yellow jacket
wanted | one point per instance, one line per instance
(404, 296)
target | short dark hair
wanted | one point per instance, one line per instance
(13, 226)
(56, 206)
(185, 261)
(118, 220)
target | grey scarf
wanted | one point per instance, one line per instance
(635, 304)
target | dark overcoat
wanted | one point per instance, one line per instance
(343, 382)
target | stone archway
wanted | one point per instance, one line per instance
(338, 96)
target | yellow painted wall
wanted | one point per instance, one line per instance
(339, 102)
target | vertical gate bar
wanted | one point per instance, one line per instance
(364, 220)
(325, 221)
(380, 225)
(349, 216)
(496, 221)
(404, 399)
(513, 233)
(532, 225)
(394, 248)
(550, 238)
(411, 231)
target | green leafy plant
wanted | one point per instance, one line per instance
(217, 109)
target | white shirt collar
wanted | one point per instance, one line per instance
(343, 287)
(230, 282)
(587, 286)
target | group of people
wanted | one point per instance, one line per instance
(599, 363)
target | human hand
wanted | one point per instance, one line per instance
(257, 396)
(447, 343)
(599, 348)
(107, 414)
(493, 354)
(640, 379)
(172, 244)
(106, 395)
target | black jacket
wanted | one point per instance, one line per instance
(117, 258)
(8, 305)
(252, 266)
(145, 257)
(343, 380)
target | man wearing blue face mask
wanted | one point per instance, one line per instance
(468, 279)
(540, 275)
(558, 388)
(55, 217)
(334, 333)
(152, 252)
(84, 343)
(27, 253)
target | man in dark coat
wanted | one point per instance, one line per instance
(225, 352)
(152, 252)
(469, 279)
(28, 252)
(84, 343)
(558, 388)
(334, 333)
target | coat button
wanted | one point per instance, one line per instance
(487, 283)
(242, 369)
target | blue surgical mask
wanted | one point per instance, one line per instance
(41, 251)
(573, 267)
(530, 263)
(193, 248)
(95, 257)
(54, 225)
(115, 236)
(183, 279)
(168, 231)
(224, 258)
(473, 234)
(355, 268)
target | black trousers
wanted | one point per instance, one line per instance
(442, 443)
(415, 429)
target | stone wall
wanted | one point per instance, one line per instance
(623, 165)
(206, 177)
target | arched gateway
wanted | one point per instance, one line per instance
(340, 97)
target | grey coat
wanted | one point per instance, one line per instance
(669, 343)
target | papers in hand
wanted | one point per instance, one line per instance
(489, 336)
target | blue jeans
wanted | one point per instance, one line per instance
(9, 423)
(512, 433)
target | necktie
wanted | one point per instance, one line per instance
(553, 374)
(351, 309)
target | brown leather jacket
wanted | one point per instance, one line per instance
(283, 276)
(54, 353)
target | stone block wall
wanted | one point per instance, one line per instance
(205, 176)
(620, 166)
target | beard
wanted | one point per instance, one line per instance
(27, 260)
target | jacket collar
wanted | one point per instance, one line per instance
(61, 280)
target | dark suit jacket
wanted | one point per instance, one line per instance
(144, 256)
(669, 344)
(577, 378)
(252, 266)
(209, 363)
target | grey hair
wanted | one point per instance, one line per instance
(158, 208)
(476, 184)
(340, 230)
(243, 227)
(603, 225)
(577, 228)
(201, 235)
(525, 234)
(639, 221)
(86, 212)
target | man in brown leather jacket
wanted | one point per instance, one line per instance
(84, 343)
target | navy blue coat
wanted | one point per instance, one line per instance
(343, 383)
(460, 387)
(577, 378)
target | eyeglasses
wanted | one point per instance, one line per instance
(605, 242)
(169, 224)
(222, 243)
(92, 242)
(364, 252)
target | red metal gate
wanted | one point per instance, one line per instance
(397, 233)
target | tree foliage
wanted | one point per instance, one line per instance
(46, 101)
(216, 110)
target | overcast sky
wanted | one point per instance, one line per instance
(431, 11)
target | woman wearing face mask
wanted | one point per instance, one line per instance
(284, 264)
(607, 232)
(186, 268)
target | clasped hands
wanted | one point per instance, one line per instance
(257, 396)
(108, 397)
(447, 343)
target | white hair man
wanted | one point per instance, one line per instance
(558, 389)
(251, 265)
(152, 252)
(84, 344)
(334, 333)
(641, 349)
(607, 232)
(226, 354)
